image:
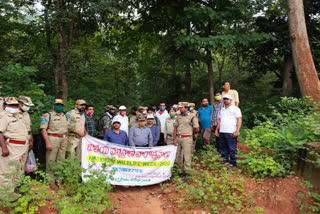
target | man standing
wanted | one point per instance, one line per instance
(162, 114)
(204, 115)
(76, 127)
(89, 123)
(54, 129)
(154, 129)
(1, 99)
(192, 110)
(227, 130)
(140, 135)
(233, 93)
(218, 105)
(185, 127)
(116, 135)
(132, 117)
(107, 118)
(169, 127)
(122, 117)
(13, 144)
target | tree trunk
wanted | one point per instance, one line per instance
(175, 79)
(188, 83)
(64, 81)
(286, 76)
(303, 62)
(210, 76)
(57, 78)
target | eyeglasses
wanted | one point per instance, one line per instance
(226, 99)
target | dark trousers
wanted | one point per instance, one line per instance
(161, 140)
(228, 148)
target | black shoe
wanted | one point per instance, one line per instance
(185, 177)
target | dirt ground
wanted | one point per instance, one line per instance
(277, 195)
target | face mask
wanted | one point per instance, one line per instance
(172, 116)
(217, 98)
(190, 109)
(58, 108)
(123, 113)
(25, 108)
(204, 105)
(162, 108)
(89, 113)
(11, 110)
(227, 89)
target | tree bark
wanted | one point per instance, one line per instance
(286, 76)
(188, 83)
(303, 61)
(210, 76)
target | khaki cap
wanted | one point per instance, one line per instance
(80, 102)
(140, 107)
(58, 101)
(108, 107)
(192, 104)
(25, 100)
(141, 117)
(183, 104)
(11, 100)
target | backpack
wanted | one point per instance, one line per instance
(99, 124)
(39, 144)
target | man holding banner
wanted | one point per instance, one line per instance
(185, 127)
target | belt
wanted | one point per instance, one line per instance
(147, 145)
(57, 135)
(16, 141)
(183, 136)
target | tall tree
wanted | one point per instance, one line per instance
(302, 57)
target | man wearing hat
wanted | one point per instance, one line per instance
(140, 135)
(227, 130)
(122, 117)
(13, 143)
(54, 129)
(116, 135)
(186, 126)
(76, 127)
(192, 109)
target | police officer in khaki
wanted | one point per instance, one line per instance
(1, 99)
(14, 144)
(76, 127)
(169, 127)
(54, 129)
(185, 127)
(192, 110)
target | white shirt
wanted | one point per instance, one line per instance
(124, 122)
(228, 123)
(162, 117)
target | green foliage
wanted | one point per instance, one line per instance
(314, 206)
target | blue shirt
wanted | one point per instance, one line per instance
(121, 138)
(140, 136)
(205, 117)
(155, 133)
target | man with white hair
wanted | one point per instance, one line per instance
(228, 127)
(122, 117)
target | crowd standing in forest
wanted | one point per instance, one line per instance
(141, 127)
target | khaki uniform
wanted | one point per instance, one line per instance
(76, 122)
(1, 104)
(132, 120)
(55, 124)
(169, 129)
(15, 130)
(195, 114)
(185, 125)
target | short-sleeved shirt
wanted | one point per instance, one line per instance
(12, 127)
(186, 123)
(205, 117)
(107, 121)
(228, 117)
(121, 138)
(233, 94)
(76, 121)
(169, 126)
(58, 123)
(25, 117)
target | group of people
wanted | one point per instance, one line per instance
(141, 127)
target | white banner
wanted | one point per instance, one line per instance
(133, 166)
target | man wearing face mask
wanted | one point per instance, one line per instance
(13, 143)
(233, 93)
(89, 124)
(186, 126)
(204, 115)
(162, 114)
(169, 127)
(76, 127)
(54, 129)
(218, 105)
(122, 117)
(24, 105)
